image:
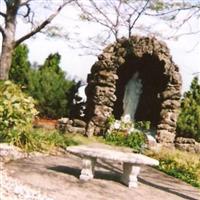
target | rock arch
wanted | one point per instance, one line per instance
(161, 85)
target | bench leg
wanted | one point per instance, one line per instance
(87, 171)
(130, 173)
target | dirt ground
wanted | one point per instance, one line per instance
(58, 177)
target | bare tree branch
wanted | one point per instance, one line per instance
(24, 2)
(101, 12)
(3, 14)
(95, 18)
(117, 21)
(184, 34)
(138, 16)
(172, 11)
(27, 5)
(188, 18)
(98, 14)
(28, 10)
(42, 25)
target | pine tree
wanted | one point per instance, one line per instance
(50, 87)
(188, 124)
(20, 66)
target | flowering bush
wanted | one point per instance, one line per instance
(122, 133)
(17, 112)
(124, 125)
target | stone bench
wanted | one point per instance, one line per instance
(131, 162)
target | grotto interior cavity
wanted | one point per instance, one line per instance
(140, 82)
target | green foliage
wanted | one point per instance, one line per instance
(142, 125)
(134, 140)
(110, 120)
(172, 163)
(52, 62)
(173, 168)
(47, 83)
(122, 133)
(188, 124)
(20, 65)
(39, 140)
(157, 5)
(17, 112)
(49, 86)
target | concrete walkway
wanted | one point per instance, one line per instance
(57, 176)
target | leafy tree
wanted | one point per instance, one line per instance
(188, 124)
(20, 65)
(50, 87)
(10, 12)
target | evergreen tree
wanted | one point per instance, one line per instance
(20, 65)
(52, 62)
(50, 87)
(188, 124)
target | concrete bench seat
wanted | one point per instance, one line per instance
(131, 162)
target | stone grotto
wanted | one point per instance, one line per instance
(135, 77)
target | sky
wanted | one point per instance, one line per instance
(185, 51)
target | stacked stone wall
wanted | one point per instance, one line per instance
(102, 80)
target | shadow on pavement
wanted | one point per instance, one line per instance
(105, 175)
(166, 189)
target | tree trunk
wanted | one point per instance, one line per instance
(6, 57)
(8, 42)
(8, 33)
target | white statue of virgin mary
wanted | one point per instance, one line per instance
(132, 93)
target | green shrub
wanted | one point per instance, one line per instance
(188, 124)
(122, 133)
(41, 140)
(134, 140)
(142, 125)
(17, 112)
(172, 163)
(116, 137)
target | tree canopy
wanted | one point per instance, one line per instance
(189, 119)
(10, 13)
(50, 86)
(20, 66)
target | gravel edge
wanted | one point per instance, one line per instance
(11, 188)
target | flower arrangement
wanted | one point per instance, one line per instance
(123, 133)
(124, 125)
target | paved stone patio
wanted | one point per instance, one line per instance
(58, 177)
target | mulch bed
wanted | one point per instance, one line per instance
(45, 123)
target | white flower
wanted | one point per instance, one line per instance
(131, 130)
(117, 124)
(126, 118)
